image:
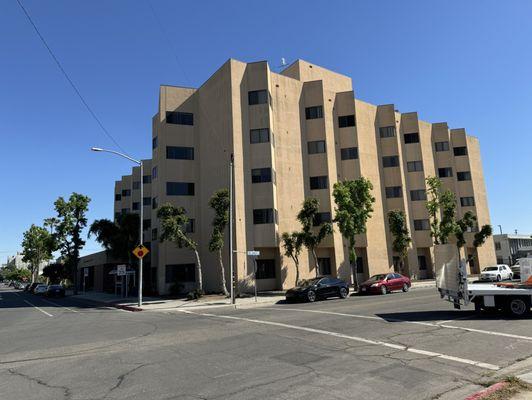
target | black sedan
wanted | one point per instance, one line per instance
(318, 288)
(55, 291)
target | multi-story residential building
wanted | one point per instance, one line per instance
(508, 247)
(293, 135)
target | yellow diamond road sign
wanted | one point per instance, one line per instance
(140, 251)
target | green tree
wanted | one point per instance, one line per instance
(400, 233)
(219, 202)
(71, 220)
(173, 222)
(37, 247)
(292, 244)
(120, 237)
(16, 274)
(354, 206)
(463, 225)
(310, 235)
(441, 204)
(55, 272)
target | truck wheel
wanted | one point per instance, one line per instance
(518, 306)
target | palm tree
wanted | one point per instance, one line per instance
(219, 202)
(173, 222)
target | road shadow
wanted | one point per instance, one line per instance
(445, 315)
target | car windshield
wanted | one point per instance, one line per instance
(379, 277)
(308, 282)
(490, 269)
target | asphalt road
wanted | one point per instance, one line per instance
(399, 346)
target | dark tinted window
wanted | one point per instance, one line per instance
(319, 182)
(179, 153)
(422, 263)
(460, 151)
(314, 112)
(346, 120)
(467, 201)
(418, 195)
(179, 118)
(463, 176)
(154, 142)
(146, 179)
(265, 269)
(445, 172)
(179, 189)
(257, 97)
(349, 153)
(259, 135)
(411, 137)
(146, 201)
(126, 193)
(118, 197)
(387, 131)
(325, 269)
(154, 203)
(394, 192)
(421, 225)
(414, 166)
(135, 206)
(321, 218)
(180, 273)
(316, 146)
(260, 175)
(154, 173)
(263, 216)
(441, 146)
(390, 161)
(190, 226)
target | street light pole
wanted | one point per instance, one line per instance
(141, 205)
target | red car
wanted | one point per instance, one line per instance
(385, 283)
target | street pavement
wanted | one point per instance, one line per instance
(398, 346)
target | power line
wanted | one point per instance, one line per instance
(89, 109)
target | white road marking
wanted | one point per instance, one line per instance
(355, 338)
(59, 305)
(441, 325)
(38, 308)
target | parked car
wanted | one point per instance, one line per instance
(32, 287)
(385, 283)
(496, 273)
(41, 288)
(55, 291)
(318, 288)
(20, 285)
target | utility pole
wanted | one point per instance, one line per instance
(141, 204)
(231, 229)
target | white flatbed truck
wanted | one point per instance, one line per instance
(514, 298)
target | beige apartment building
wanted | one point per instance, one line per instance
(294, 134)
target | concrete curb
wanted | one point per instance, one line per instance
(486, 392)
(106, 304)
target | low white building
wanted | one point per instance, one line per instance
(509, 248)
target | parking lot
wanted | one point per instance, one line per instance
(402, 345)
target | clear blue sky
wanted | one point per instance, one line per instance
(464, 62)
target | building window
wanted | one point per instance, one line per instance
(498, 246)
(179, 118)
(387, 131)
(460, 151)
(390, 161)
(414, 166)
(346, 120)
(261, 175)
(154, 203)
(154, 173)
(265, 269)
(319, 182)
(136, 185)
(180, 273)
(422, 263)
(360, 265)
(146, 223)
(321, 218)
(154, 142)
(315, 147)
(463, 176)
(421, 225)
(118, 197)
(190, 226)
(325, 265)
(179, 153)
(259, 135)
(418, 195)
(257, 97)
(146, 179)
(445, 172)
(441, 146)
(467, 201)
(411, 137)
(314, 112)
(146, 201)
(154, 234)
(126, 193)
(393, 192)
(263, 216)
(349, 153)
(135, 206)
(179, 189)
(125, 211)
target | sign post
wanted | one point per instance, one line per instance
(254, 254)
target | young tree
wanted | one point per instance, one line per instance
(292, 243)
(354, 206)
(465, 224)
(400, 233)
(55, 272)
(219, 202)
(71, 220)
(37, 247)
(310, 238)
(119, 237)
(441, 204)
(173, 222)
